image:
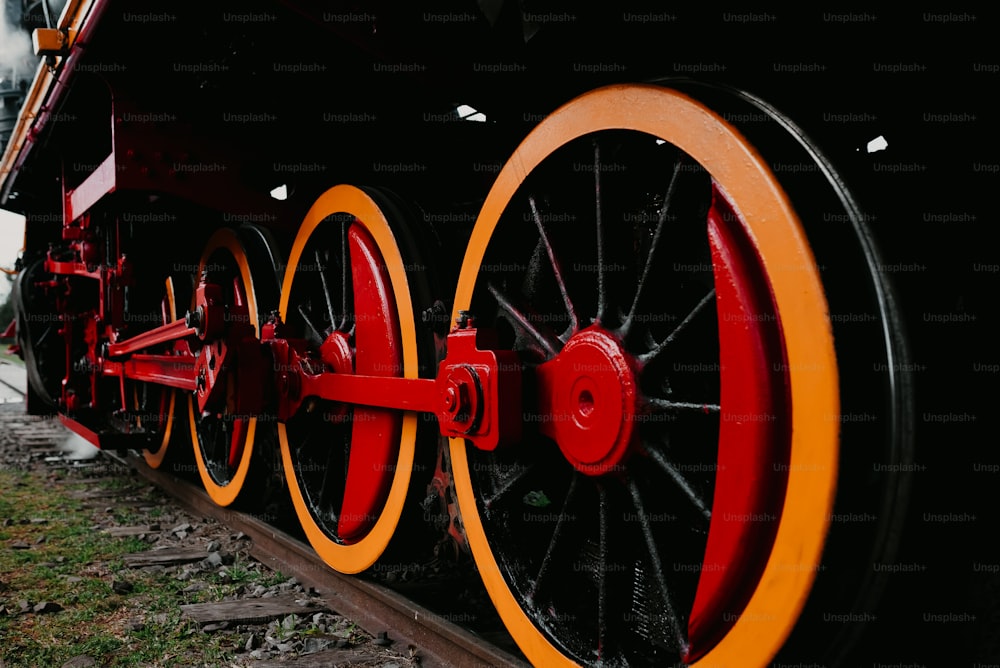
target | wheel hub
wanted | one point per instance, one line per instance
(587, 396)
(336, 353)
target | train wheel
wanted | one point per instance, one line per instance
(672, 496)
(223, 439)
(42, 349)
(351, 291)
(155, 403)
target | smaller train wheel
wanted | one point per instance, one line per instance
(223, 438)
(154, 404)
(671, 498)
(42, 348)
(350, 292)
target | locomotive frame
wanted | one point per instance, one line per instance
(639, 478)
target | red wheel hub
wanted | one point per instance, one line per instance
(336, 353)
(587, 401)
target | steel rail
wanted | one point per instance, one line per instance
(376, 609)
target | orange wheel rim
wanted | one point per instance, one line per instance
(226, 494)
(786, 259)
(359, 555)
(154, 459)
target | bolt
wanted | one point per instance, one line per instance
(464, 319)
(456, 400)
(450, 399)
(436, 317)
(193, 318)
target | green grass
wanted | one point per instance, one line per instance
(4, 355)
(95, 620)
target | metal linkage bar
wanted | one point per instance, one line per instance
(162, 334)
(476, 394)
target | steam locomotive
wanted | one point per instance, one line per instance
(622, 306)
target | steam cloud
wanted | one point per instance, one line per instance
(16, 57)
(76, 447)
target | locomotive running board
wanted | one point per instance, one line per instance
(106, 440)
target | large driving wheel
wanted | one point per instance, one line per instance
(351, 289)
(672, 497)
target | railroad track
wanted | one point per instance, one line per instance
(374, 608)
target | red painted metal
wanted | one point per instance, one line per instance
(252, 377)
(289, 356)
(80, 430)
(100, 182)
(237, 441)
(242, 386)
(71, 268)
(493, 377)
(375, 432)
(478, 391)
(753, 433)
(169, 370)
(476, 395)
(587, 400)
(159, 335)
(216, 358)
(337, 354)
(406, 394)
(209, 314)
